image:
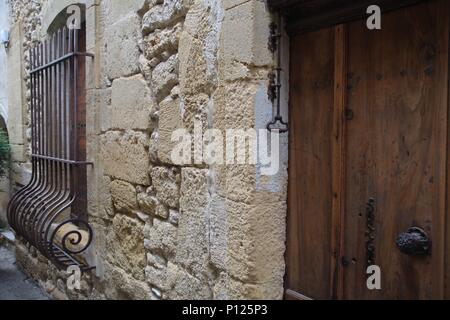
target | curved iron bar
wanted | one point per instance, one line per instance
(47, 188)
(39, 211)
(77, 233)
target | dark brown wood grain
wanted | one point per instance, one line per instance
(393, 149)
(308, 15)
(309, 255)
(397, 148)
(338, 157)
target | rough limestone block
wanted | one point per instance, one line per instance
(17, 152)
(240, 243)
(165, 77)
(245, 31)
(122, 285)
(147, 202)
(21, 173)
(165, 182)
(218, 232)
(124, 196)
(122, 52)
(193, 226)
(161, 238)
(125, 156)
(162, 211)
(15, 85)
(198, 49)
(158, 277)
(125, 245)
(156, 261)
(117, 10)
(131, 103)
(164, 14)
(187, 286)
(160, 41)
(194, 189)
(227, 288)
(271, 238)
(98, 106)
(105, 196)
(169, 120)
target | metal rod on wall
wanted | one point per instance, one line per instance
(274, 91)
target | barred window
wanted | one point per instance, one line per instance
(50, 211)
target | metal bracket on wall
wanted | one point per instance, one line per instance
(274, 88)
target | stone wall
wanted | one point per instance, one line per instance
(4, 183)
(167, 231)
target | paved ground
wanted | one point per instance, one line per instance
(14, 285)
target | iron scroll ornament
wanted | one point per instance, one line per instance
(414, 242)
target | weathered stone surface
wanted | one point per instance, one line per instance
(123, 196)
(125, 245)
(31, 265)
(117, 10)
(194, 189)
(162, 211)
(156, 261)
(218, 232)
(186, 286)
(166, 186)
(99, 197)
(153, 148)
(147, 202)
(244, 37)
(164, 14)
(21, 173)
(119, 284)
(198, 49)
(16, 116)
(17, 152)
(174, 217)
(165, 40)
(164, 77)
(169, 120)
(142, 216)
(240, 258)
(271, 238)
(98, 109)
(161, 238)
(227, 288)
(158, 277)
(193, 226)
(122, 52)
(131, 103)
(125, 156)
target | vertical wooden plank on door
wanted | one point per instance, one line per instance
(338, 157)
(308, 254)
(447, 195)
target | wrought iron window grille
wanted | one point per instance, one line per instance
(46, 212)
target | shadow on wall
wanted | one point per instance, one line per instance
(4, 184)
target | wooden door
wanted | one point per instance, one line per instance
(369, 129)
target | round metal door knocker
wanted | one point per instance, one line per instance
(414, 242)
